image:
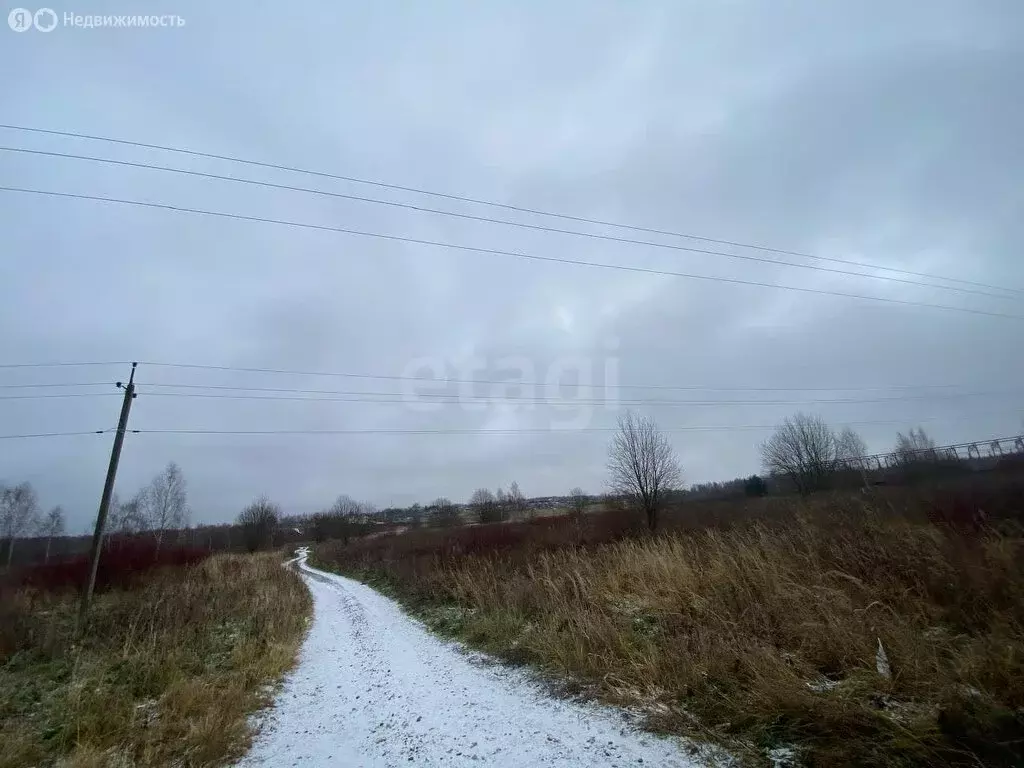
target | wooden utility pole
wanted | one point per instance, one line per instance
(108, 490)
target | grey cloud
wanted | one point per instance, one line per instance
(880, 133)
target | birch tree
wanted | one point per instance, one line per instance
(850, 445)
(52, 526)
(19, 510)
(914, 446)
(165, 502)
(516, 501)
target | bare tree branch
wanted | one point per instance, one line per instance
(485, 505)
(52, 526)
(19, 510)
(516, 502)
(915, 446)
(850, 445)
(803, 448)
(164, 502)
(259, 521)
(642, 465)
(444, 513)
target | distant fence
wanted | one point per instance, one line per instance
(978, 450)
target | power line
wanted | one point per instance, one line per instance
(428, 379)
(59, 395)
(370, 431)
(442, 381)
(499, 252)
(53, 434)
(492, 204)
(539, 430)
(472, 431)
(57, 365)
(506, 222)
(56, 384)
(399, 398)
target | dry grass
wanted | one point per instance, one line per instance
(761, 635)
(165, 675)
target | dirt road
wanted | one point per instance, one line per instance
(374, 688)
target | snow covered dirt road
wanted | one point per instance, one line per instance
(374, 688)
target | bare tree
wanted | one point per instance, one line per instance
(259, 521)
(914, 446)
(445, 513)
(346, 506)
(345, 518)
(515, 501)
(850, 445)
(128, 517)
(113, 514)
(52, 525)
(165, 502)
(578, 501)
(642, 464)
(485, 506)
(755, 486)
(19, 509)
(804, 449)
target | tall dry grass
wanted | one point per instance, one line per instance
(165, 674)
(765, 634)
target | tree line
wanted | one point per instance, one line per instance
(643, 472)
(157, 509)
(809, 453)
(803, 452)
(21, 516)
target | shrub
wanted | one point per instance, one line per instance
(755, 486)
(121, 563)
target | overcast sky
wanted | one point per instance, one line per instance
(875, 132)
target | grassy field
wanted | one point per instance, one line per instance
(165, 675)
(755, 632)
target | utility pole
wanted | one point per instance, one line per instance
(108, 490)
